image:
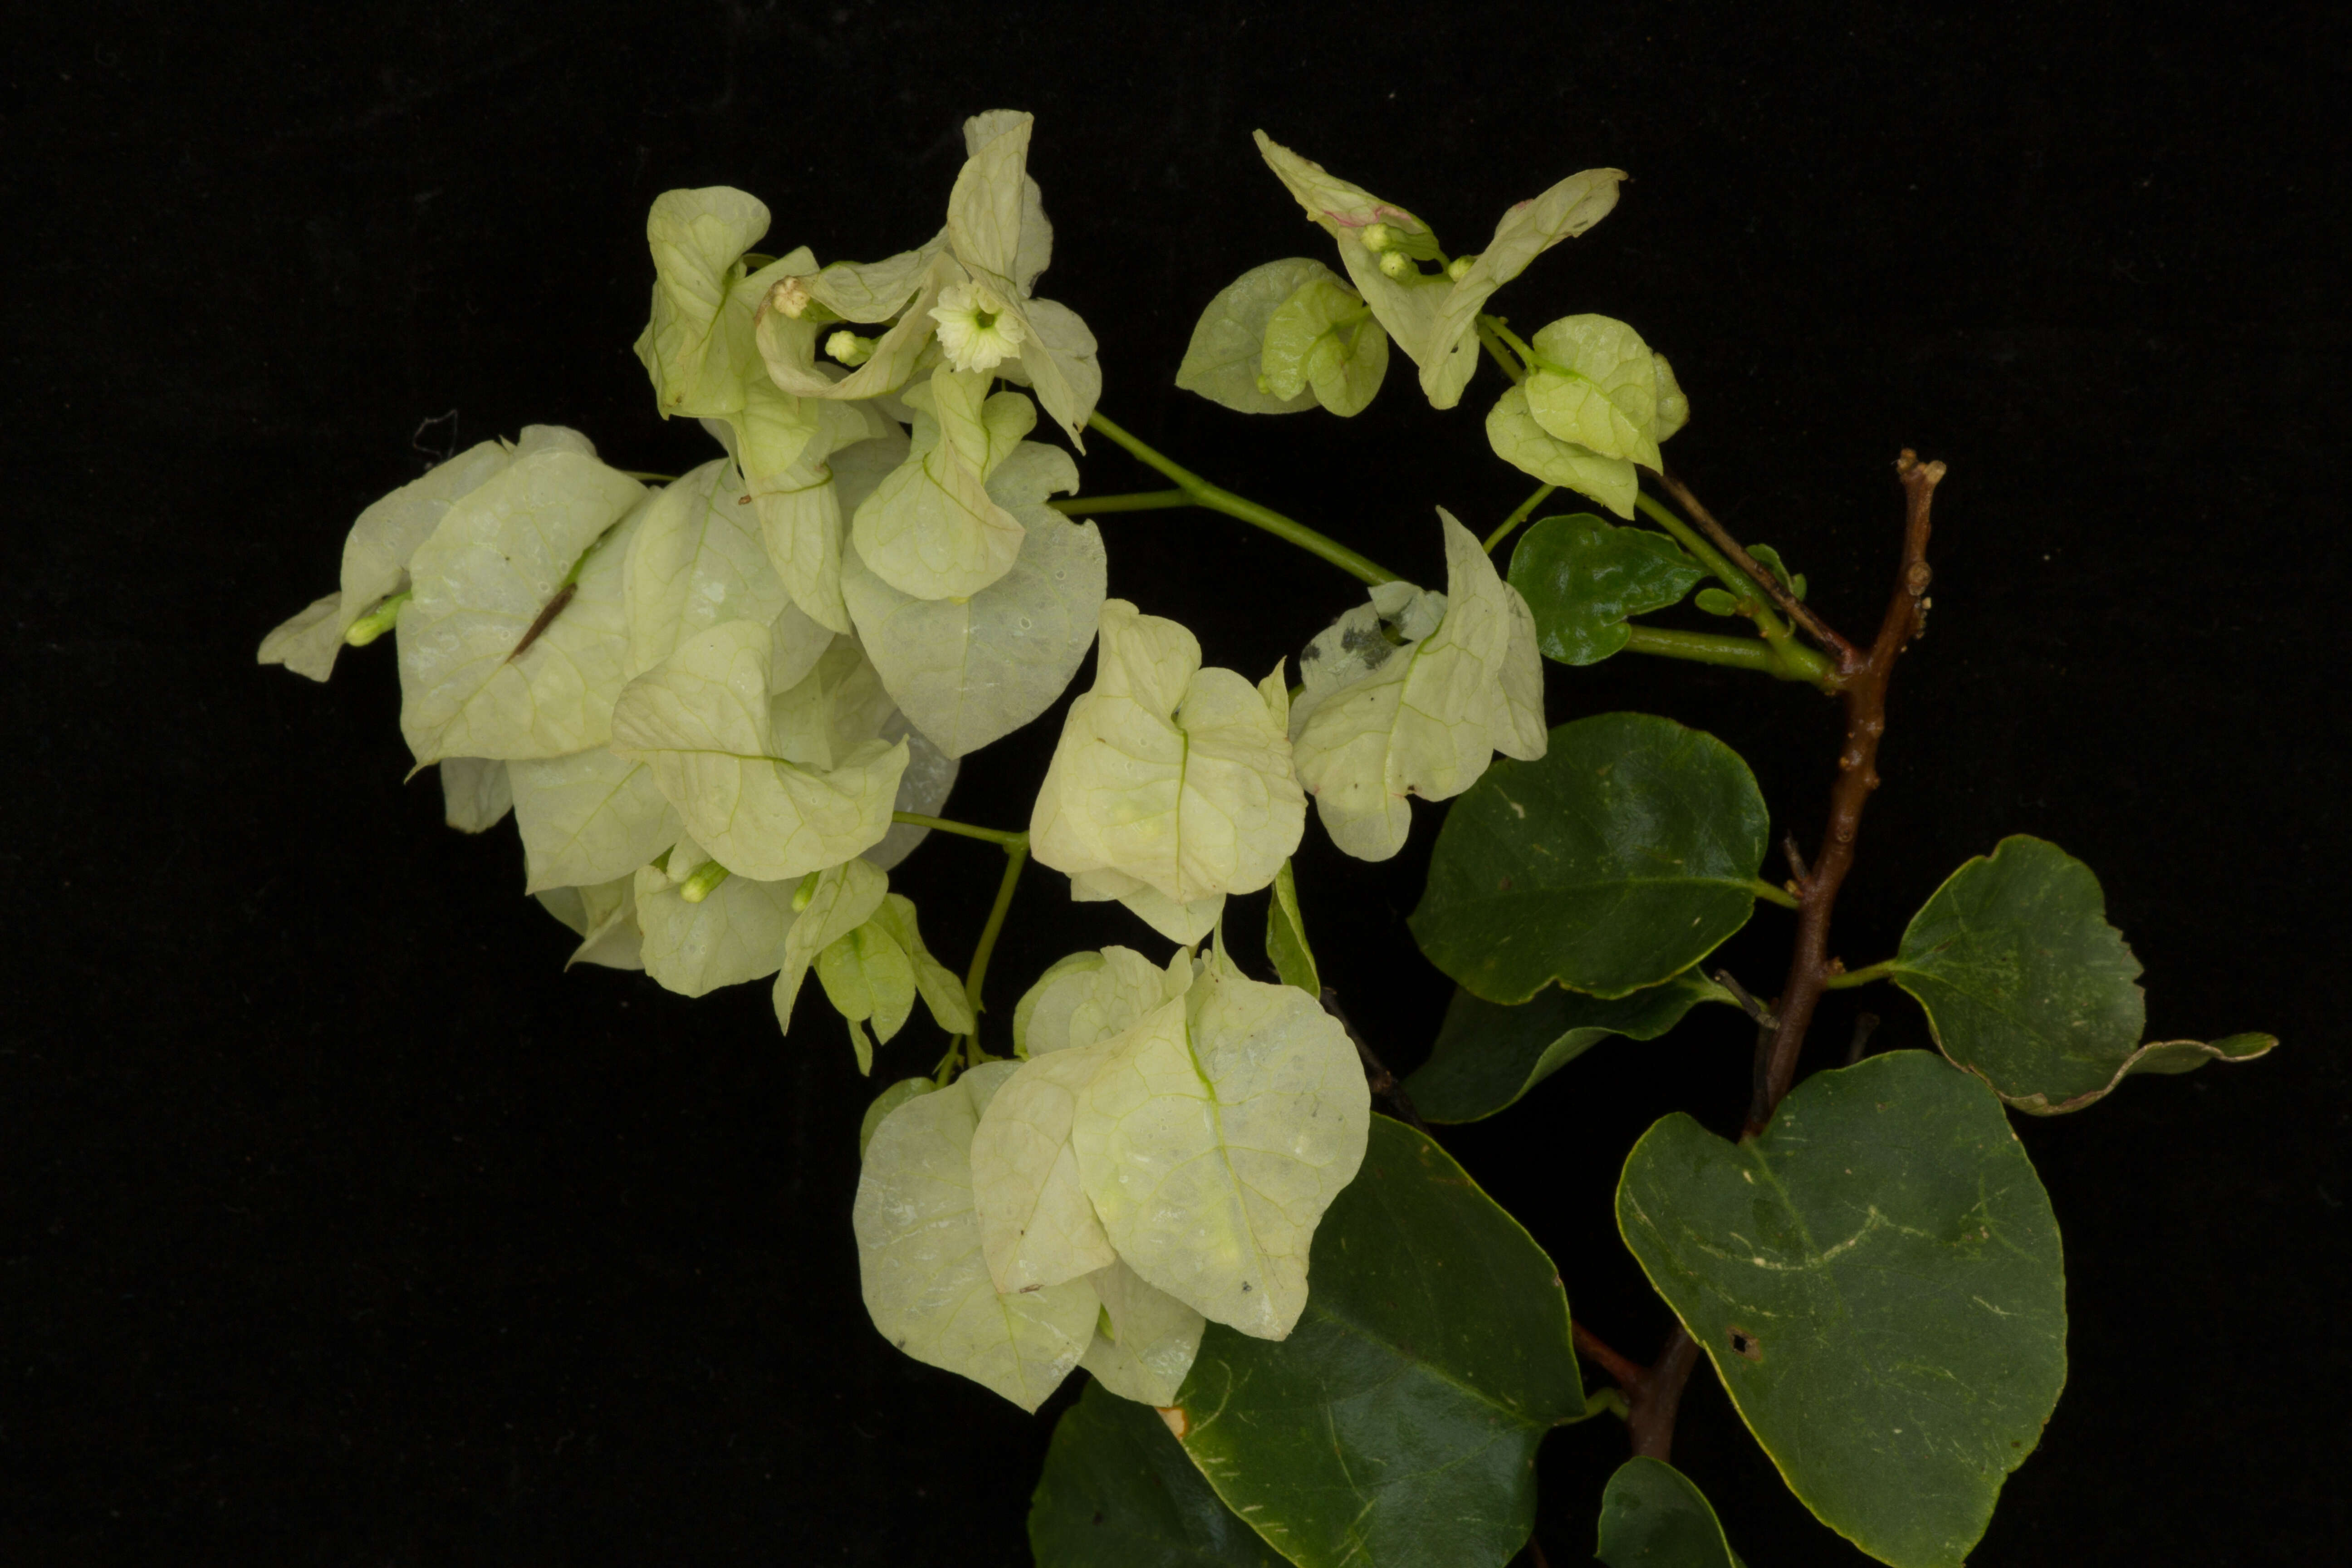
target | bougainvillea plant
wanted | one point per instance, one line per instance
(724, 708)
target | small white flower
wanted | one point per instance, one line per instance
(976, 328)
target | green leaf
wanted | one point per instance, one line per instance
(1624, 857)
(1324, 337)
(1118, 1492)
(1285, 937)
(1527, 446)
(1595, 384)
(1771, 560)
(1583, 578)
(919, 1266)
(867, 975)
(1715, 602)
(1651, 1517)
(2026, 984)
(969, 671)
(1223, 362)
(492, 569)
(888, 1100)
(1487, 1055)
(1400, 1420)
(1877, 1279)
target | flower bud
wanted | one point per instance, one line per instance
(1460, 265)
(1378, 237)
(849, 348)
(1396, 263)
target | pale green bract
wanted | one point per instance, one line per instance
(702, 719)
(1520, 441)
(1151, 1341)
(1377, 723)
(941, 992)
(930, 528)
(800, 513)
(475, 793)
(1324, 339)
(833, 904)
(604, 916)
(1172, 785)
(698, 345)
(1433, 317)
(925, 1281)
(377, 555)
(588, 817)
(867, 975)
(1226, 358)
(1595, 384)
(734, 935)
(697, 561)
(481, 584)
(1200, 1144)
(970, 671)
(1090, 996)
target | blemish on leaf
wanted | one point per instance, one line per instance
(1745, 1344)
(1178, 1422)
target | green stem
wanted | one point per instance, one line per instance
(996, 836)
(1790, 659)
(1016, 857)
(1495, 324)
(1217, 499)
(1501, 357)
(1780, 895)
(1141, 500)
(1543, 493)
(1863, 976)
(1707, 647)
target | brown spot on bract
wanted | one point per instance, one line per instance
(1744, 1343)
(1178, 1422)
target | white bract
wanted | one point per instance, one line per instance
(930, 528)
(1090, 996)
(703, 721)
(925, 1279)
(1378, 721)
(697, 561)
(606, 918)
(831, 903)
(734, 934)
(968, 671)
(589, 817)
(475, 793)
(1172, 785)
(491, 665)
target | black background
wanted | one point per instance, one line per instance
(339, 1226)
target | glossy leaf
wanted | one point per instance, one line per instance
(925, 1282)
(1400, 1420)
(1119, 1492)
(1652, 1517)
(2026, 984)
(1286, 936)
(1620, 858)
(1223, 362)
(1487, 1055)
(1582, 578)
(1877, 1279)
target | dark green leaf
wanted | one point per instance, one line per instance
(1118, 1492)
(1651, 1517)
(1623, 856)
(1770, 559)
(1877, 1279)
(1286, 936)
(1488, 1054)
(1582, 577)
(1398, 1423)
(2025, 983)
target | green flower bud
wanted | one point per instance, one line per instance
(1460, 265)
(1378, 237)
(703, 883)
(1396, 263)
(849, 348)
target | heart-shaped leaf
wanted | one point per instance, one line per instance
(1118, 1492)
(1621, 858)
(1877, 1279)
(1651, 1517)
(1582, 577)
(1399, 1422)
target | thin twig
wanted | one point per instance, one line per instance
(1376, 1073)
(1865, 1025)
(1795, 857)
(1626, 1372)
(1848, 655)
(1747, 1004)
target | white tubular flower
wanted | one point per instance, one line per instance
(976, 328)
